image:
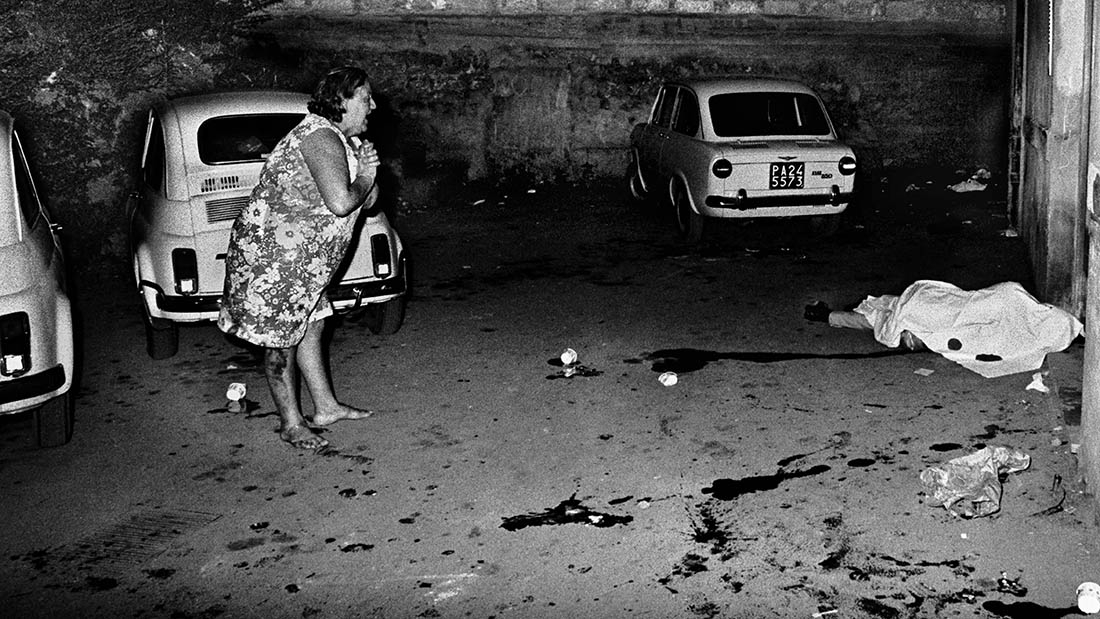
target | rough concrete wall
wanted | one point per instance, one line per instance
(552, 89)
(892, 10)
(539, 89)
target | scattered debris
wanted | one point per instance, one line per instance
(1010, 586)
(569, 511)
(970, 486)
(1088, 598)
(977, 182)
(1036, 383)
(235, 396)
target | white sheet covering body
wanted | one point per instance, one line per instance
(994, 331)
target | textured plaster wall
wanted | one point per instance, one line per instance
(551, 88)
(498, 89)
(898, 10)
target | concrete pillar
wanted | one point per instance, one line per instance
(1062, 274)
(1090, 389)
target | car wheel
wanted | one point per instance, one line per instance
(162, 338)
(385, 318)
(688, 222)
(53, 421)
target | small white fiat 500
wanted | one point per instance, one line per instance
(741, 148)
(36, 327)
(202, 157)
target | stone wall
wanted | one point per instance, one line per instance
(493, 89)
(551, 88)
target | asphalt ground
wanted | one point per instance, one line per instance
(777, 478)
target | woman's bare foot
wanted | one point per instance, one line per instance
(302, 438)
(340, 411)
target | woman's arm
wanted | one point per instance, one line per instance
(327, 162)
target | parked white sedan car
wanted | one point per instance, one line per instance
(201, 159)
(741, 148)
(36, 328)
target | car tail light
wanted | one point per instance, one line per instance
(380, 254)
(722, 168)
(15, 344)
(847, 165)
(185, 268)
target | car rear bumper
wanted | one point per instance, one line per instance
(350, 296)
(746, 201)
(345, 296)
(25, 392)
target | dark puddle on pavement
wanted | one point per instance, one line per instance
(682, 360)
(728, 489)
(569, 511)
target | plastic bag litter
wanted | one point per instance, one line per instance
(970, 486)
(970, 184)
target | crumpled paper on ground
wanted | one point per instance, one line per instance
(970, 486)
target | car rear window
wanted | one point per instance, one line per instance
(750, 114)
(237, 139)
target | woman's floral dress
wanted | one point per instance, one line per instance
(284, 247)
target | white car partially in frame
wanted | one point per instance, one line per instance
(201, 159)
(36, 324)
(741, 148)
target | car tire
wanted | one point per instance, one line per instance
(162, 338)
(688, 222)
(385, 318)
(53, 421)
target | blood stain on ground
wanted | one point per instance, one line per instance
(728, 489)
(569, 511)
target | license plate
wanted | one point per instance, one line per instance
(787, 176)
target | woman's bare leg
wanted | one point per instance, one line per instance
(282, 377)
(311, 361)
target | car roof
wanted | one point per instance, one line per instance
(710, 86)
(7, 191)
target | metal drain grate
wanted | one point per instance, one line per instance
(143, 537)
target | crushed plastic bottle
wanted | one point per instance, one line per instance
(1088, 598)
(235, 396)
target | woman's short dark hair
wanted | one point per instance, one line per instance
(334, 88)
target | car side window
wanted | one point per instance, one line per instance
(667, 103)
(153, 167)
(24, 185)
(687, 114)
